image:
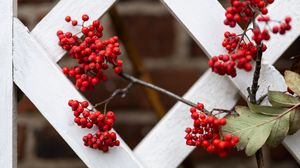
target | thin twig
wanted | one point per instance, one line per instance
(159, 89)
(242, 37)
(262, 98)
(117, 92)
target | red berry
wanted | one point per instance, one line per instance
(288, 19)
(68, 19)
(85, 17)
(200, 106)
(74, 22)
(248, 67)
(117, 70)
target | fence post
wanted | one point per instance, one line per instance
(8, 156)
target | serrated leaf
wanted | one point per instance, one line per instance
(250, 127)
(279, 131)
(244, 138)
(266, 110)
(292, 79)
(258, 138)
(280, 99)
(294, 121)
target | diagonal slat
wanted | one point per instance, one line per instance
(204, 22)
(45, 30)
(279, 44)
(35, 73)
(7, 125)
(165, 146)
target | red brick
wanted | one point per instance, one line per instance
(132, 133)
(195, 49)
(25, 105)
(50, 145)
(21, 140)
(176, 80)
(152, 35)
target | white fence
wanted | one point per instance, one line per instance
(29, 59)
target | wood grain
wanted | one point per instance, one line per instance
(7, 105)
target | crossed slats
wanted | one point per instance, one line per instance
(44, 32)
(204, 22)
(35, 73)
(159, 148)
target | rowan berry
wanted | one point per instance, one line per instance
(206, 133)
(85, 17)
(93, 55)
(104, 138)
(68, 19)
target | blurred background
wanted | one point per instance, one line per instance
(172, 59)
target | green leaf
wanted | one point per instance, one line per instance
(266, 110)
(280, 99)
(253, 129)
(294, 121)
(292, 79)
(258, 138)
(279, 131)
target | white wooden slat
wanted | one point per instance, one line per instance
(277, 11)
(165, 146)
(45, 31)
(203, 21)
(7, 111)
(43, 82)
(212, 31)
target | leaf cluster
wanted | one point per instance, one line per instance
(259, 124)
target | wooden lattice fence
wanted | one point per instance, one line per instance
(29, 60)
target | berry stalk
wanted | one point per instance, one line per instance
(256, 75)
(135, 80)
(252, 96)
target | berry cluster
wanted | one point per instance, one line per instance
(101, 140)
(243, 10)
(206, 134)
(92, 54)
(240, 54)
(240, 51)
(86, 118)
(280, 27)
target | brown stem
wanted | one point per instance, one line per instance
(135, 80)
(256, 75)
(260, 158)
(252, 96)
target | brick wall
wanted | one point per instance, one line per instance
(173, 59)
